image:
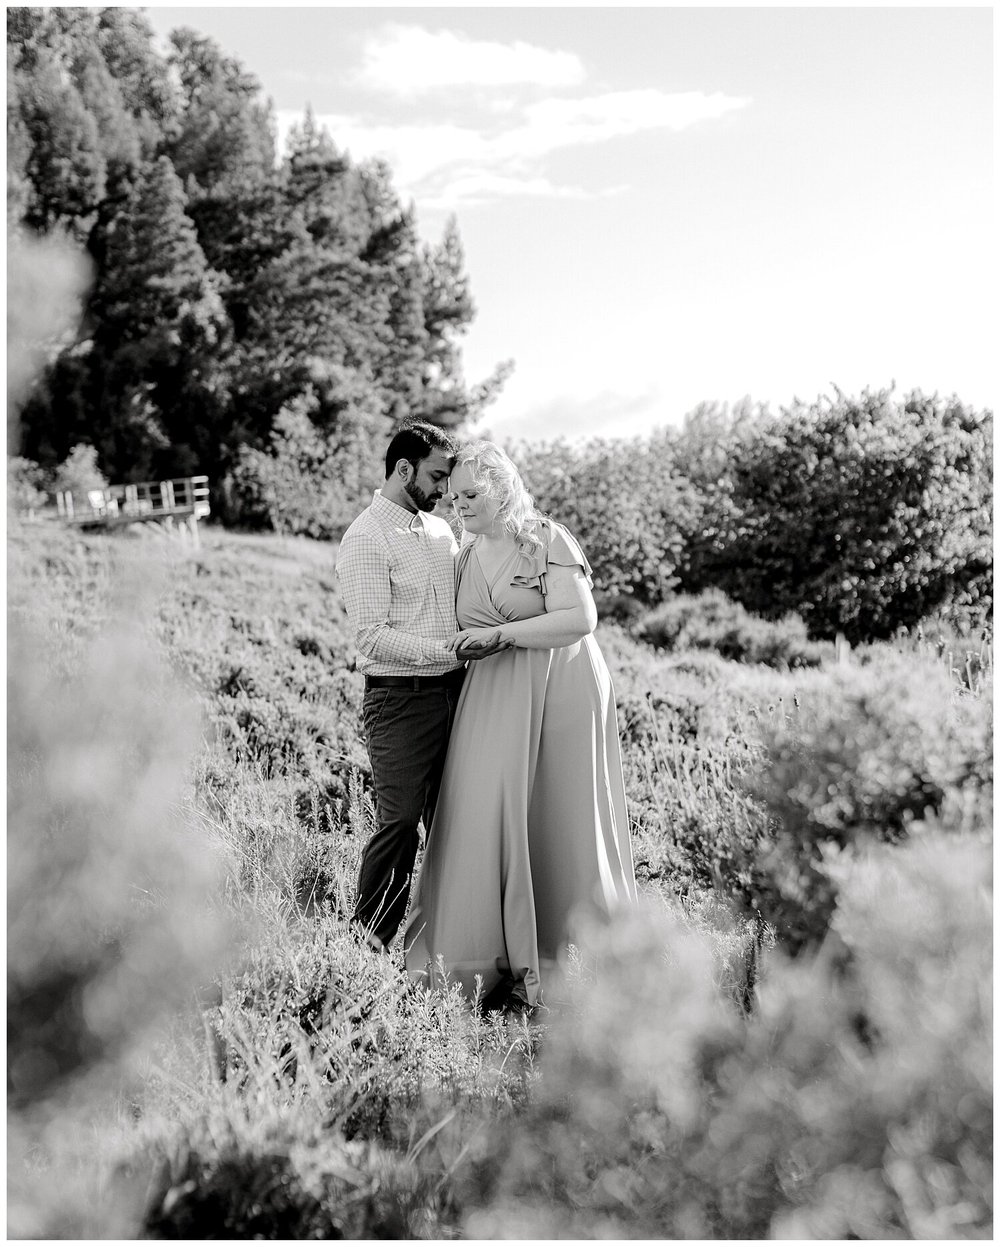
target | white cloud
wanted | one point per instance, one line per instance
(444, 164)
(498, 147)
(554, 124)
(406, 60)
(593, 119)
(477, 186)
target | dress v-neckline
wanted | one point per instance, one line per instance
(491, 580)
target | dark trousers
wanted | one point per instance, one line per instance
(407, 737)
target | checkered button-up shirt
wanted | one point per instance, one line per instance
(397, 576)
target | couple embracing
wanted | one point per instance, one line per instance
(489, 714)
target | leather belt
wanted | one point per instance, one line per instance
(416, 683)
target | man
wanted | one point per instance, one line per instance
(396, 571)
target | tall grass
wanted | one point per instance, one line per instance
(696, 1080)
(113, 898)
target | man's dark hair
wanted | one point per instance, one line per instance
(414, 441)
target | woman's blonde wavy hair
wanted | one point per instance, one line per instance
(495, 474)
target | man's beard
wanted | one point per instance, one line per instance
(422, 501)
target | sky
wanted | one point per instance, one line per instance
(666, 206)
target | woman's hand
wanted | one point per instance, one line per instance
(477, 643)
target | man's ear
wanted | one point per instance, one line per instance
(402, 469)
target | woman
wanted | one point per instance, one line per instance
(531, 828)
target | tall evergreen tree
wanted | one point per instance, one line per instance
(393, 253)
(161, 339)
(118, 135)
(125, 40)
(448, 312)
(325, 188)
(224, 129)
(87, 129)
(18, 146)
(448, 306)
(402, 372)
(228, 289)
(65, 169)
(242, 229)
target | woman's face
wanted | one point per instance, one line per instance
(474, 508)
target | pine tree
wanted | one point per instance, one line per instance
(242, 229)
(325, 188)
(118, 136)
(18, 146)
(402, 373)
(448, 312)
(224, 130)
(226, 288)
(393, 253)
(161, 341)
(65, 168)
(125, 40)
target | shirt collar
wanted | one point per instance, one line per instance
(392, 510)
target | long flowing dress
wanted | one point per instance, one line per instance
(531, 827)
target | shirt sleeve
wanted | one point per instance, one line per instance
(363, 573)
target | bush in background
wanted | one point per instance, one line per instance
(326, 458)
(863, 515)
(622, 503)
(705, 448)
(712, 621)
(867, 754)
(25, 486)
(79, 472)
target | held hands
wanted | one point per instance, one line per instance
(477, 643)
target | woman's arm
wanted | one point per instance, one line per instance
(570, 614)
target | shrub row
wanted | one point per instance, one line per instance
(859, 514)
(712, 621)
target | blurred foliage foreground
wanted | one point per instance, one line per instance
(790, 1037)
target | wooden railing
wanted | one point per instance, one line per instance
(184, 500)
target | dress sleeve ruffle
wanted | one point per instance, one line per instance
(558, 547)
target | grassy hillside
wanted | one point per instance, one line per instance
(189, 796)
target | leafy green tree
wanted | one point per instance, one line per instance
(79, 472)
(26, 485)
(622, 503)
(703, 452)
(862, 515)
(323, 461)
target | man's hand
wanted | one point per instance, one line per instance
(480, 643)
